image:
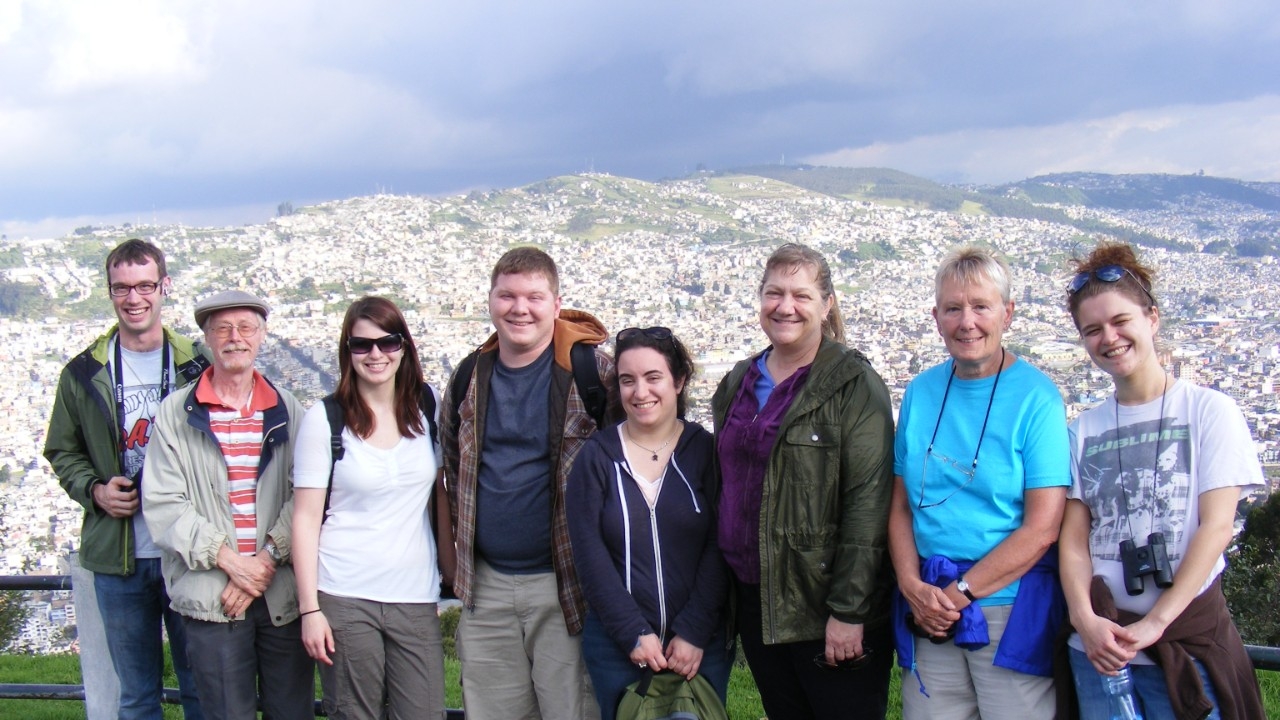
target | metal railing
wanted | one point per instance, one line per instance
(1262, 656)
(30, 691)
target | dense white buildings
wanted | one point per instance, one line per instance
(686, 254)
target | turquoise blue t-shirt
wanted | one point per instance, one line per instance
(1025, 447)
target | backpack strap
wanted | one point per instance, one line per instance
(646, 679)
(586, 375)
(438, 495)
(428, 405)
(332, 412)
(458, 389)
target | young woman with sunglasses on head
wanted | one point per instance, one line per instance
(368, 565)
(642, 520)
(804, 435)
(980, 465)
(1157, 471)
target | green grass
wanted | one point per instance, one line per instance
(744, 700)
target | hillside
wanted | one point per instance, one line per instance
(1143, 192)
(1221, 215)
(893, 187)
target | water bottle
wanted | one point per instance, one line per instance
(1119, 691)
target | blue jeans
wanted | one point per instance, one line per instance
(133, 608)
(1149, 689)
(612, 670)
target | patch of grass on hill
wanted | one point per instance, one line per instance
(754, 187)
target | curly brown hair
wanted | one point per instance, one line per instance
(1136, 284)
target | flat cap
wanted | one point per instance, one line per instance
(228, 299)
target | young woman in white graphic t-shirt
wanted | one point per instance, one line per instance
(1157, 471)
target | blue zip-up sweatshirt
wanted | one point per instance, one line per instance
(645, 571)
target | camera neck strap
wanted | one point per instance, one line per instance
(1155, 464)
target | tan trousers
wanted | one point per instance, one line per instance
(519, 661)
(964, 685)
(383, 652)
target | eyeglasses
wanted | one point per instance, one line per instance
(1107, 274)
(122, 290)
(856, 663)
(387, 344)
(965, 470)
(245, 329)
(657, 334)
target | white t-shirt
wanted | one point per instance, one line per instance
(1200, 444)
(376, 543)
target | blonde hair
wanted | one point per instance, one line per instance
(973, 265)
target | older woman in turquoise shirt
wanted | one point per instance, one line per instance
(981, 467)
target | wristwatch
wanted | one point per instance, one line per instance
(963, 586)
(274, 552)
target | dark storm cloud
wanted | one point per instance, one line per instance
(129, 105)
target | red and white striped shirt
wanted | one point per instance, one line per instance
(239, 434)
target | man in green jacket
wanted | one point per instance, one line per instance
(98, 435)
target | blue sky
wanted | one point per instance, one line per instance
(206, 112)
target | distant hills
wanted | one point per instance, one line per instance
(1095, 190)
(1204, 202)
(1143, 192)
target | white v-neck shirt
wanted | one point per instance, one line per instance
(376, 543)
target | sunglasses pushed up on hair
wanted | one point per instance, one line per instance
(657, 334)
(387, 344)
(1107, 274)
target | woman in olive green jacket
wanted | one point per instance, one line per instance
(804, 435)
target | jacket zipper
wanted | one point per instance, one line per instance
(657, 562)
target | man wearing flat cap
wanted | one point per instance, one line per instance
(219, 503)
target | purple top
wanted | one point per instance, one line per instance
(744, 445)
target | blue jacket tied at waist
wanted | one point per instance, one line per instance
(1039, 609)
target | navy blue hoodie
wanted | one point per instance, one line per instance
(678, 581)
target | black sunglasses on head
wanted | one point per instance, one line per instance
(657, 334)
(1107, 274)
(387, 344)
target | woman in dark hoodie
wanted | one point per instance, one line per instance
(641, 507)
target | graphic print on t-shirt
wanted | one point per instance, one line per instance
(140, 405)
(139, 376)
(1151, 461)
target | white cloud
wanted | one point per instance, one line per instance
(1237, 139)
(103, 103)
(130, 43)
(10, 19)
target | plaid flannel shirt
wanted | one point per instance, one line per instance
(461, 442)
